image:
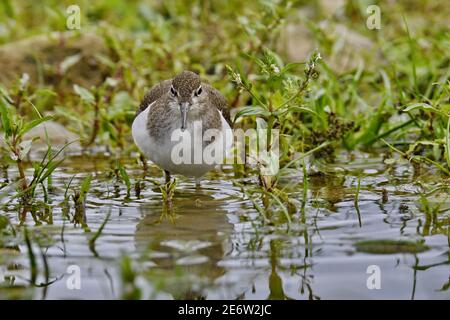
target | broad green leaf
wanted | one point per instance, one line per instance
(103, 59)
(70, 115)
(85, 185)
(291, 66)
(252, 111)
(45, 92)
(112, 82)
(120, 103)
(424, 106)
(390, 161)
(69, 62)
(302, 109)
(30, 125)
(420, 106)
(84, 93)
(5, 117)
(277, 100)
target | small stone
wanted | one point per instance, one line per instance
(58, 137)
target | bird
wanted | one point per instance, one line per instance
(185, 107)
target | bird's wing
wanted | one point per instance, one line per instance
(154, 94)
(218, 101)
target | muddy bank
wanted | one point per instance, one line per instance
(56, 58)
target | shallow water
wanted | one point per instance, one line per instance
(213, 244)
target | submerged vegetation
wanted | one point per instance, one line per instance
(335, 90)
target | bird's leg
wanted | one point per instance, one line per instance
(197, 182)
(167, 174)
(144, 163)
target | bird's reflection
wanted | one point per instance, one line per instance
(183, 243)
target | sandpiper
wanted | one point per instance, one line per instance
(183, 107)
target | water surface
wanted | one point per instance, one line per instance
(213, 244)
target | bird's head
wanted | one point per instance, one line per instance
(186, 91)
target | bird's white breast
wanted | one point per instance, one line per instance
(160, 152)
(140, 133)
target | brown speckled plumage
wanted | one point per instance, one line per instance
(189, 80)
(154, 94)
(218, 101)
(185, 83)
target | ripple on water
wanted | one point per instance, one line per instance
(212, 242)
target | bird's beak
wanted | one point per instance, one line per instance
(184, 106)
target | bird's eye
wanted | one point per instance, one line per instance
(173, 91)
(198, 92)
